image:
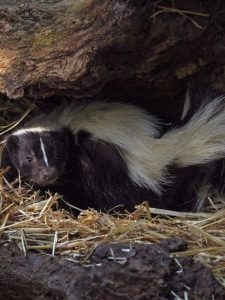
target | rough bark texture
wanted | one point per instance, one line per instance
(141, 47)
(145, 272)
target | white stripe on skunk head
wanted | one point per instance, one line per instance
(40, 155)
(187, 105)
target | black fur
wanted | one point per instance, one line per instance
(104, 177)
(102, 181)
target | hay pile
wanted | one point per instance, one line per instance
(28, 218)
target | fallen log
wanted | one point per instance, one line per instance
(139, 47)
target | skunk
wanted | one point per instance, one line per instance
(112, 155)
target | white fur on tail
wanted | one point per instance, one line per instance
(129, 128)
(134, 132)
(201, 140)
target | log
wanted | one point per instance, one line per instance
(140, 47)
(144, 272)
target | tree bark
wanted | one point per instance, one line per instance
(136, 46)
(144, 272)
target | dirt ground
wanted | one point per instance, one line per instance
(118, 271)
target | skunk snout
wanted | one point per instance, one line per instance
(48, 176)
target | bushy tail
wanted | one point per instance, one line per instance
(200, 140)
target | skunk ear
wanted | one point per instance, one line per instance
(12, 144)
(6, 161)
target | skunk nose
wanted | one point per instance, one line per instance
(48, 175)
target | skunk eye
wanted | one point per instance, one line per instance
(29, 159)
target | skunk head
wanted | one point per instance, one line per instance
(39, 154)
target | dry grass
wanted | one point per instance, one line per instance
(160, 9)
(27, 217)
